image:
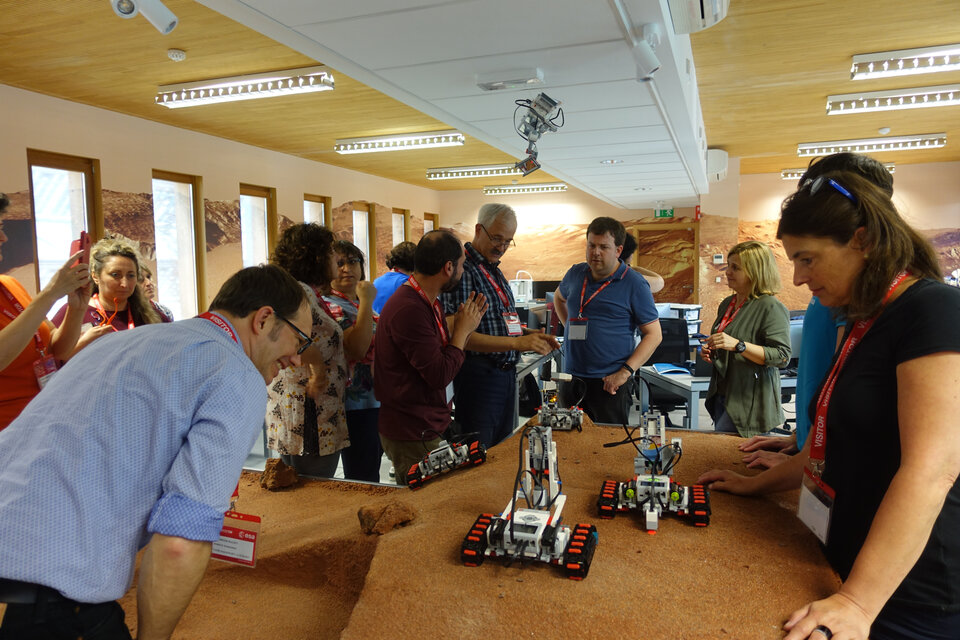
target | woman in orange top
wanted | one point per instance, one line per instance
(30, 345)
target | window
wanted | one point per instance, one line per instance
(361, 232)
(258, 223)
(176, 205)
(65, 199)
(401, 226)
(431, 222)
(316, 209)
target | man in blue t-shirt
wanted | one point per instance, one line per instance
(602, 303)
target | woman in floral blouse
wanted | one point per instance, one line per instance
(306, 421)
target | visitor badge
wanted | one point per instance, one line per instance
(238, 539)
(577, 329)
(44, 368)
(450, 392)
(513, 324)
(816, 505)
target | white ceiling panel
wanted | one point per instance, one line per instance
(298, 12)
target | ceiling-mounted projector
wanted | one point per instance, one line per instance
(690, 16)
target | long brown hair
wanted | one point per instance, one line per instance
(890, 245)
(143, 312)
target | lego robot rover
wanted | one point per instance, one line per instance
(447, 457)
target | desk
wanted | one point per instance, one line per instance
(691, 388)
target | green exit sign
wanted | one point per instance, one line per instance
(663, 213)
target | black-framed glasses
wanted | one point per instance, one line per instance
(499, 241)
(305, 340)
(350, 260)
(818, 182)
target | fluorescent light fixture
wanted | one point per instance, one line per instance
(516, 79)
(400, 142)
(248, 87)
(944, 95)
(796, 174)
(866, 145)
(905, 62)
(507, 189)
(480, 171)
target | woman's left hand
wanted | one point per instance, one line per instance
(845, 619)
(721, 341)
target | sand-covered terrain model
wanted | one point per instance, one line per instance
(319, 576)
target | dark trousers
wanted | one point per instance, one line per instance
(602, 407)
(484, 399)
(361, 460)
(53, 617)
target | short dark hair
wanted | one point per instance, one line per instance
(4, 202)
(351, 250)
(303, 250)
(401, 256)
(435, 249)
(858, 163)
(603, 225)
(629, 247)
(265, 285)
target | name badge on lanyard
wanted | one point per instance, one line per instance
(512, 321)
(44, 368)
(577, 329)
(816, 505)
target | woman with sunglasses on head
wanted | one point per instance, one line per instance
(749, 342)
(118, 303)
(350, 299)
(879, 470)
(306, 423)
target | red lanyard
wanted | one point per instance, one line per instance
(38, 341)
(220, 322)
(818, 445)
(437, 309)
(339, 294)
(496, 287)
(728, 316)
(103, 313)
(323, 303)
(583, 290)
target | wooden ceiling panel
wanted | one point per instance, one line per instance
(765, 72)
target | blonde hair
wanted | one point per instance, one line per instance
(143, 311)
(758, 263)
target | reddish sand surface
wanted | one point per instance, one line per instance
(319, 576)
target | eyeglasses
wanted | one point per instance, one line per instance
(344, 261)
(499, 241)
(305, 340)
(818, 182)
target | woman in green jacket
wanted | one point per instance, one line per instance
(749, 342)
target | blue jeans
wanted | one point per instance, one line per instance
(484, 399)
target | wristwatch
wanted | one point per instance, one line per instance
(741, 347)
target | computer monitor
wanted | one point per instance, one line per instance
(542, 287)
(796, 337)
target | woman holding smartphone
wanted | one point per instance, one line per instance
(30, 346)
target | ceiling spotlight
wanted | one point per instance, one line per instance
(154, 11)
(124, 8)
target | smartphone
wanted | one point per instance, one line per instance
(82, 244)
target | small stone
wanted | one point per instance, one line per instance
(277, 475)
(381, 519)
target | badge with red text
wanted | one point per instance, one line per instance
(238, 539)
(816, 505)
(512, 321)
(44, 368)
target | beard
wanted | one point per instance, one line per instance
(451, 284)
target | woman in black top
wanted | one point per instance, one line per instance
(890, 436)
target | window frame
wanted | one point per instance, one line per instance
(272, 219)
(199, 229)
(325, 202)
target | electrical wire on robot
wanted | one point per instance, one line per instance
(541, 115)
(447, 456)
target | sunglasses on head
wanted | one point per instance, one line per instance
(817, 183)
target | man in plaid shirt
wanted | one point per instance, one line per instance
(486, 386)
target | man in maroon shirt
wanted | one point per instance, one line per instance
(418, 356)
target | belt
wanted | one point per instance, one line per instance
(502, 366)
(17, 592)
